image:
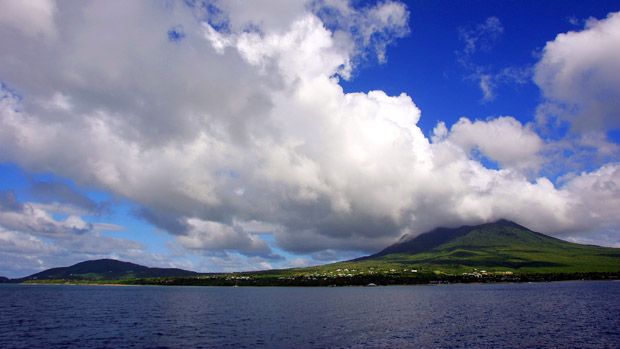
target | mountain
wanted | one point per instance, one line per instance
(499, 234)
(4, 279)
(502, 245)
(498, 251)
(106, 269)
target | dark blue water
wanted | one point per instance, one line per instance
(558, 315)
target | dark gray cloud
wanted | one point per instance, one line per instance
(50, 192)
(9, 202)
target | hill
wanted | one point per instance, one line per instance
(499, 246)
(106, 269)
(498, 251)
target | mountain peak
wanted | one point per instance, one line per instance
(507, 222)
(501, 244)
(107, 262)
(442, 235)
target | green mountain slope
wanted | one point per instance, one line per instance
(499, 251)
(106, 269)
(498, 246)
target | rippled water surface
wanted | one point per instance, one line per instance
(561, 314)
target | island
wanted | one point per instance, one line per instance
(501, 251)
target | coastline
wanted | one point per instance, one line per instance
(305, 282)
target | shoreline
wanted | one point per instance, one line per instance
(323, 283)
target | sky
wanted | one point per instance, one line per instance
(245, 135)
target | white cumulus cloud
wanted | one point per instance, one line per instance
(242, 119)
(578, 74)
(503, 139)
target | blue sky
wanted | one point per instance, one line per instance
(234, 136)
(425, 63)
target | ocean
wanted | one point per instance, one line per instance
(576, 314)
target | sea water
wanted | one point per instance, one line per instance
(583, 314)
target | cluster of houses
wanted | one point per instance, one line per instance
(482, 273)
(238, 277)
(347, 273)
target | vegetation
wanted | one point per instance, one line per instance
(106, 269)
(500, 251)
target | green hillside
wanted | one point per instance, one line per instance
(106, 269)
(502, 246)
(499, 251)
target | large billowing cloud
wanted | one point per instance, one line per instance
(504, 140)
(578, 74)
(219, 121)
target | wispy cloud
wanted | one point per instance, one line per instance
(481, 39)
